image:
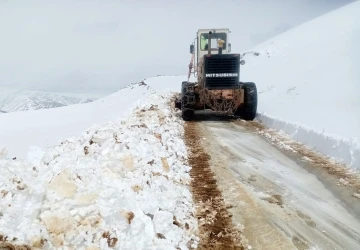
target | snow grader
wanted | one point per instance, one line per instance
(215, 83)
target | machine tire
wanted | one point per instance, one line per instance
(248, 110)
(187, 101)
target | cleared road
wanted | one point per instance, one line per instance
(283, 202)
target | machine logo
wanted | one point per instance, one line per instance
(222, 75)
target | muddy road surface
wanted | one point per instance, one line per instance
(282, 200)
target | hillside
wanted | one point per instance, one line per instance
(12, 100)
(308, 81)
(46, 127)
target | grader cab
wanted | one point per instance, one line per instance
(216, 84)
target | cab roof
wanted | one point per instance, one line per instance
(216, 29)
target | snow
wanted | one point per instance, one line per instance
(122, 184)
(47, 127)
(113, 172)
(308, 83)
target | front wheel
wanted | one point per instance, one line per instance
(248, 110)
(187, 101)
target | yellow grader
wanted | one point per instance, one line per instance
(216, 72)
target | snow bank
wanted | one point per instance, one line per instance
(44, 128)
(309, 83)
(122, 185)
(342, 150)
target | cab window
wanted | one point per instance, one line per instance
(214, 38)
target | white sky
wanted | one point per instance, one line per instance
(98, 46)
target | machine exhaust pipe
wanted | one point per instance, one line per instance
(220, 45)
(209, 43)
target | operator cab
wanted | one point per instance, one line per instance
(216, 35)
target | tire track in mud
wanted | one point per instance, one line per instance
(240, 147)
(259, 231)
(215, 223)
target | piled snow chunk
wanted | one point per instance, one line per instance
(123, 185)
(341, 150)
(35, 155)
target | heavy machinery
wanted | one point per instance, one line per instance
(216, 85)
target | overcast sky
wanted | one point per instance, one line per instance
(98, 46)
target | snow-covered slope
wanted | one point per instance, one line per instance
(12, 100)
(46, 127)
(121, 184)
(309, 83)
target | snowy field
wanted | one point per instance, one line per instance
(123, 184)
(309, 83)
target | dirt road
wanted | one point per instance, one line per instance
(282, 201)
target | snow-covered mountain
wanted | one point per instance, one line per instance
(309, 83)
(12, 100)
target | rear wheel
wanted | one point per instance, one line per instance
(248, 110)
(187, 101)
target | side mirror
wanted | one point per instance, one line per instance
(191, 49)
(242, 62)
(229, 46)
